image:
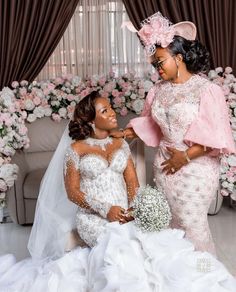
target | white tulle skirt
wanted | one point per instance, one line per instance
(125, 259)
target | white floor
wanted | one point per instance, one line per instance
(13, 238)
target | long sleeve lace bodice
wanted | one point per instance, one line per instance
(96, 184)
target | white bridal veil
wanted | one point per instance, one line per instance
(55, 214)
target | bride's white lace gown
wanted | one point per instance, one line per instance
(120, 257)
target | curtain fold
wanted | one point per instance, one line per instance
(214, 20)
(95, 44)
(29, 32)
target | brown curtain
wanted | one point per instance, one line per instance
(29, 32)
(215, 21)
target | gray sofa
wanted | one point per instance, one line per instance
(44, 136)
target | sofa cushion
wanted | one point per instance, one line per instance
(32, 183)
(44, 134)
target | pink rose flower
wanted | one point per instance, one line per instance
(154, 77)
(15, 84)
(58, 81)
(46, 91)
(56, 117)
(23, 130)
(230, 173)
(70, 97)
(224, 192)
(123, 111)
(115, 93)
(226, 89)
(117, 101)
(37, 100)
(228, 70)
(102, 81)
(23, 91)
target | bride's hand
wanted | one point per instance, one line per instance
(128, 216)
(116, 213)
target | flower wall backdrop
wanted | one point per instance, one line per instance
(56, 98)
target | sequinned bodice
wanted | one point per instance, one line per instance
(103, 185)
(175, 107)
(105, 179)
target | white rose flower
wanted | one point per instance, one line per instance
(76, 80)
(225, 184)
(147, 85)
(39, 112)
(231, 179)
(6, 170)
(138, 105)
(8, 150)
(39, 93)
(127, 93)
(62, 112)
(230, 186)
(55, 103)
(3, 188)
(47, 112)
(232, 160)
(31, 118)
(133, 96)
(219, 69)
(7, 96)
(10, 181)
(212, 74)
(29, 105)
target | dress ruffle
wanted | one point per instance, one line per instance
(124, 259)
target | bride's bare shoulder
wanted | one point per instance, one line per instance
(79, 147)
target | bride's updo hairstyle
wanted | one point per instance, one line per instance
(195, 55)
(80, 127)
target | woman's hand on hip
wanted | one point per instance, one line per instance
(176, 161)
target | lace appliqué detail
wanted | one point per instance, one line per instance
(176, 106)
(71, 157)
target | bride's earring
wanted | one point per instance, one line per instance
(93, 127)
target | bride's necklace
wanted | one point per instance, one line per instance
(99, 142)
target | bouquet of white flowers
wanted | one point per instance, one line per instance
(151, 211)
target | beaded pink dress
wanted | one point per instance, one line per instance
(179, 115)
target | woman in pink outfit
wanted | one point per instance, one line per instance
(186, 117)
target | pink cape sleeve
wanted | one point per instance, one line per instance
(212, 128)
(144, 126)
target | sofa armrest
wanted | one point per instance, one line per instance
(15, 195)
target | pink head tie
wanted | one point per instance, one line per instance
(158, 30)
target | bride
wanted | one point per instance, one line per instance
(98, 176)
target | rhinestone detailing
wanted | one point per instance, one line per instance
(99, 142)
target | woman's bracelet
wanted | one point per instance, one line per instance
(186, 156)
